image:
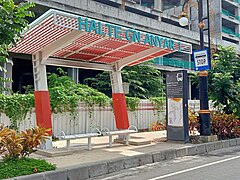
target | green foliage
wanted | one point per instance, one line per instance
(224, 80)
(13, 22)
(65, 94)
(145, 81)
(16, 107)
(132, 103)
(159, 104)
(225, 125)
(32, 139)
(101, 82)
(14, 145)
(25, 166)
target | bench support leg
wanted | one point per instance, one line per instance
(127, 139)
(110, 140)
(89, 144)
(68, 144)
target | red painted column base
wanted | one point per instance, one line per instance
(43, 111)
(120, 110)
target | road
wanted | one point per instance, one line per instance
(221, 165)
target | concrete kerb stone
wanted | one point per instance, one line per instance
(225, 143)
(145, 159)
(131, 162)
(158, 156)
(39, 176)
(210, 146)
(78, 173)
(201, 148)
(170, 154)
(58, 174)
(232, 142)
(115, 165)
(191, 151)
(218, 145)
(238, 141)
(98, 169)
(181, 152)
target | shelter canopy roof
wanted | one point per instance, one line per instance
(64, 36)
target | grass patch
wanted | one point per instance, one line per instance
(24, 166)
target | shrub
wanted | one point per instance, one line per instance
(225, 125)
(158, 126)
(193, 122)
(19, 167)
(10, 143)
(13, 145)
(132, 103)
(16, 107)
(32, 138)
(159, 104)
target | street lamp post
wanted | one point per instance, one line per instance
(204, 113)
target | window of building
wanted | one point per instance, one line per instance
(168, 4)
(147, 3)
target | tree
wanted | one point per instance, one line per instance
(145, 81)
(224, 80)
(12, 23)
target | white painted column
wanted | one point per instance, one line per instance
(41, 97)
(39, 73)
(119, 100)
(158, 5)
(116, 81)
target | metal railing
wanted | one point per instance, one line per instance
(237, 1)
(168, 5)
(227, 13)
(230, 32)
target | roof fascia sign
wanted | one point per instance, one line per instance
(122, 33)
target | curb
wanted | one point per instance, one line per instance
(105, 167)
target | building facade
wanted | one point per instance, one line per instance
(159, 17)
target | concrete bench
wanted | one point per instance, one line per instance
(63, 136)
(125, 132)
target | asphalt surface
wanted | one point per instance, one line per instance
(221, 165)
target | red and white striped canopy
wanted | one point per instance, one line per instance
(58, 33)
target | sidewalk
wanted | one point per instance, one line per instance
(83, 164)
(101, 152)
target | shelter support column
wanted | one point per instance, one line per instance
(119, 100)
(158, 5)
(41, 97)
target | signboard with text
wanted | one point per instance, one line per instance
(177, 106)
(129, 34)
(201, 60)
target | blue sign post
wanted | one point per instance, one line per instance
(201, 60)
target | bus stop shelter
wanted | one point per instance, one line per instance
(63, 39)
